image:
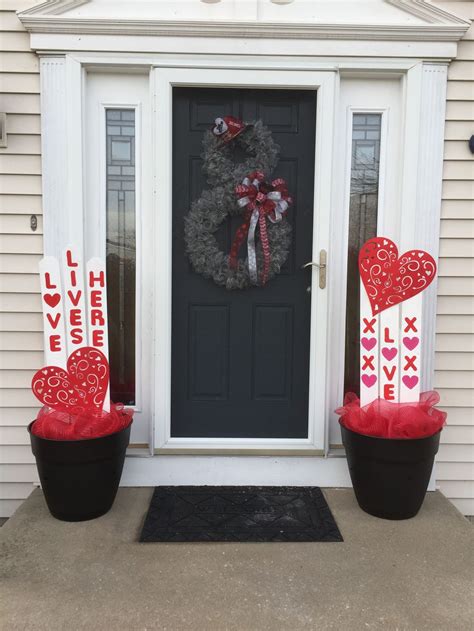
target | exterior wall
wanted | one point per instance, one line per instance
(454, 377)
(20, 317)
(20, 250)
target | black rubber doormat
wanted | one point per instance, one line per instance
(239, 513)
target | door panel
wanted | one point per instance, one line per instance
(240, 359)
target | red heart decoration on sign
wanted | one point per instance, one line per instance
(52, 299)
(80, 388)
(389, 279)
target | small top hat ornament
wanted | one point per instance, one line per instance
(227, 128)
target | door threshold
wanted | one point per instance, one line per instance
(138, 450)
(219, 451)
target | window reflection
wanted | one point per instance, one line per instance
(366, 132)
(121, 252)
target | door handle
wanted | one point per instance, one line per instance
(322, 265)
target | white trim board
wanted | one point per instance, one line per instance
(139, 61)
(239, 470)
(390, 20)
(125, 44)
(235, 470)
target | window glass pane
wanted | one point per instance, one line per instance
(366, 131)
(121, 254)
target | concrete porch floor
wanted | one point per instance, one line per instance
(415, 574)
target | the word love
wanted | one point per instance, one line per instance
(389, 358)
(53, 312)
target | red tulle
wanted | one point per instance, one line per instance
(92, 424)
(386, 419)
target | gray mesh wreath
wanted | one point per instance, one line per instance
(239, 189)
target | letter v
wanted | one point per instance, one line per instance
(74, 299)
(53, 321)
(390, 373)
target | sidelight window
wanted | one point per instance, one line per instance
(363, 205)
(121, 251)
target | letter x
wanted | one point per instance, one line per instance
(410, 362)
(410, 325)
(369, 326)
(368, 362)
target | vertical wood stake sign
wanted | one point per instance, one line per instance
(97, 310)
(389, 360)
(410, 349)
(74, 300)
(55, 351)
(369, 352)
(390, 320)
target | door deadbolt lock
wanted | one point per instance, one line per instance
(322, 265)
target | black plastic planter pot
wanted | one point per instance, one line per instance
(390, 476)
(80, 478)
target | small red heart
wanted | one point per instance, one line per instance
(389, 353)
(52, 299)
(411, 342)
(389, 279)
(369, 380)
(80, 388)
(368, 342)
(410, 382)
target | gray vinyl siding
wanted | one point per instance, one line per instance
(454, 376)
(20, 251)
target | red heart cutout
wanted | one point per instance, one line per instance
(369, 380)
(410, 382)
(80, 388)
(368, 342)
(52, 299)
(389, 279)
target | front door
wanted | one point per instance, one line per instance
(240, 359)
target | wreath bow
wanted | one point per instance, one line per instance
(261, 201)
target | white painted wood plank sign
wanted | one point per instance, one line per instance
(369, 351)
(97, 305)
(410, 349)
(55, 349)
(391, 313)
(389, 358)
(97, 311)
(74, 300)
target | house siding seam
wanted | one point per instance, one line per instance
(21, 249)
(454, 364)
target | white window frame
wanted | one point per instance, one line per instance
(424, 103)
(98, 237)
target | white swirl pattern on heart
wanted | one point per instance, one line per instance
(82, 387)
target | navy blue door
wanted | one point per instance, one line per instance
(240, 359)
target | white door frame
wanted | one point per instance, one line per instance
(63, 154)
(164, 79)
